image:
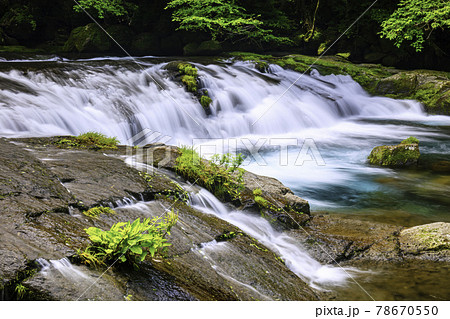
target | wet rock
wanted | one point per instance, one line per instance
(429, 87)
(402, 155)
(239, 268)
(342, 239)
(432, 241)
(74, 179)
(283, 209)
(88, 38)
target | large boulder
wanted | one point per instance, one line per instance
(429, 87)
(402, 155)
(431, 239)
(145, 44)
(88, 38)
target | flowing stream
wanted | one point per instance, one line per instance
(316, 274)
(119, 97)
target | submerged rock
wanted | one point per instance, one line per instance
(402, 155)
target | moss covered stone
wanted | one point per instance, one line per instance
(88, 38)
(205, 101)
(402, 155)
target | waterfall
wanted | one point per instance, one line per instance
(294, 256)
(119, 99)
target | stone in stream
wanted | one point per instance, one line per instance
(432, 240)
(402, 155)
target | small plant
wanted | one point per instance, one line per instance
(97, 211)
(222, 175)
(21, 290)
(97, 140)
(128, 242)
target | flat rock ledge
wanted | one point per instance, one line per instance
(43, 191)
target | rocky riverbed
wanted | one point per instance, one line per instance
(45, 188)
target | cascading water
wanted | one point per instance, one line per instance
(287, 248)
(75, 97)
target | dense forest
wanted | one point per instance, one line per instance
(401, 33)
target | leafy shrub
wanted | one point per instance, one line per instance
(97, 211)
(222, 175)
(126, 242)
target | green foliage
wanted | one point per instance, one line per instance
(188, 69)
(98, 140)
(89, 140)
(222, 175)
(257, 192)
(128, 242)
(415, 20)
(222, 19)
(103, 7)
(97, 211)
(21, 291)
(205, 101)
(20, 15)
(410, 140)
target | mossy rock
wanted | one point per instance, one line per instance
(145, 43)
(88, 38)
(430, 237)
(402, 155)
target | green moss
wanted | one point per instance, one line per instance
(221, 175)
(89, 140)
(189, 76)
(205, 101)
(410, 140)
(97, 211)
(394, 156)
(431, 239)
(190, 82)
(257, 192)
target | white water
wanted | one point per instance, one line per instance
(294, 256)
(63, 267)
(122, 100)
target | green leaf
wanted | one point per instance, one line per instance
(136, 250)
